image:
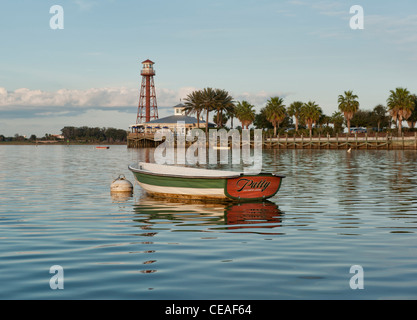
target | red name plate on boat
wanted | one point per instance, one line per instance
(253, 187)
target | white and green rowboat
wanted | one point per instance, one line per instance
(203, 184)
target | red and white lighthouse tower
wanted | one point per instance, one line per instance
(147, 109)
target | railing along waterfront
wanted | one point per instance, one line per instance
(354, 141)
(383, 142)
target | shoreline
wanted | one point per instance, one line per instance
(59, 143)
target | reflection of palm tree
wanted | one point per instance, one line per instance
(294, 110)
(400, 105)
(311, 113)
(275, 112)
(349, 105)
(245, 112)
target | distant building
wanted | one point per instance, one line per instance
(171, 122)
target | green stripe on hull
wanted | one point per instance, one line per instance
(178, 182)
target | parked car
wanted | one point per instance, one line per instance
(358, 130)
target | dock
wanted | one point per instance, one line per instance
(357, 141)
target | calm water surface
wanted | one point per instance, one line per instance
(334, 210)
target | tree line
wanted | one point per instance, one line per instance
(401, 106)
(76, 134)
(94, 134)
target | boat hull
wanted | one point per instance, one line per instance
(237, 188)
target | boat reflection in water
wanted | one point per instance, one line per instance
(206, 220)
(208, 216)
(252, 215)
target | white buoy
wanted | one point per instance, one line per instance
(350, 149)
(121, 185)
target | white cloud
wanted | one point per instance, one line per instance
(258, 99)
(324, 7)
(28, 111)
(90, 98)
(85, 5)
(103, 98)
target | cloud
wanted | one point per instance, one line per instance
(401, 30)
(85, 5)
(325, 7)
(29, 111)
(258, 99)
(90, 98)
(27, 103)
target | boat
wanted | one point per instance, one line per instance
(102, 147)
(204, 184)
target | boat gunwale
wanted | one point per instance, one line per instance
(238, 174)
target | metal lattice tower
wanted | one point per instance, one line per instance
(147, 109)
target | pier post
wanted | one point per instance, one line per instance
(337, 141)
(278, 141)
(402, 135)
(366, 140)
(319, 141)
(415, 140)
(356, 141)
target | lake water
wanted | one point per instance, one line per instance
(334, 210)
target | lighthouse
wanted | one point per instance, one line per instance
(147, 109)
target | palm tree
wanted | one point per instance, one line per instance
(231, 114)
(208, 100)
(349, 105)
(223, 103)
(401, 105)
(245, 113)
(311, 113)
(275, 112)
(413, 118)
(337, 119)
(222, 120)
(379, 113)
(294, 110)
(194, 105)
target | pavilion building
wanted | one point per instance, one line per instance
(178, 119)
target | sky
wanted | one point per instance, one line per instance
(88, 73)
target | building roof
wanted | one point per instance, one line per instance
(176, 118)
(148, 61)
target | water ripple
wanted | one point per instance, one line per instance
(334, 210)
